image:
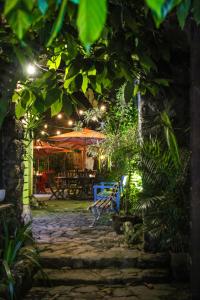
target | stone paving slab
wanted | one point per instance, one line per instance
(103, 276)
(79, 258)
(116, 292)
(76, 255)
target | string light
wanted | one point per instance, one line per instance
(59, 116)
(45, 126)
(43, 132)
(58, 132)
(102, 107)
(31, 69)
(102, 157)
(70, 122)
(81, 112)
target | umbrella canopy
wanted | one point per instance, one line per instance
(80, 139)
(83, 137)
(42, 148)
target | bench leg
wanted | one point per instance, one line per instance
(96, 211)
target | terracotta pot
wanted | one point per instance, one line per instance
(2, 194)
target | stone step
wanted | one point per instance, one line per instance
(116, 292)
(115, 257)
(66, 276)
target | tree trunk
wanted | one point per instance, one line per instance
(195, 160)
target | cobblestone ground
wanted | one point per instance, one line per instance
(94, 263)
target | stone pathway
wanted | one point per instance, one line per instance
(94, 263)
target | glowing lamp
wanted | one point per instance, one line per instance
(59, 116)
(70, 122)
(102, 107)
(31, 69)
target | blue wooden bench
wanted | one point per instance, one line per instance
(104, 189)
(107, 198)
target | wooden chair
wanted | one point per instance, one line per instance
(57, 191)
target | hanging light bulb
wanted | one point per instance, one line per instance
(70, 122)
(45, 126)
(102, 157)
(102, 107)
(43, 132)
(31, 69)
(59, 116)
(81, 112)
(58, 132)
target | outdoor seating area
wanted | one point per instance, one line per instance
(100, 150)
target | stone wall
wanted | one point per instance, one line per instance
(12, 166)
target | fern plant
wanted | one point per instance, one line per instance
(164, 200)
(14, 252)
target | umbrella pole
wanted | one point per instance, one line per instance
(38, 164)
(84, 158)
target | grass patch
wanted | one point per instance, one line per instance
(59, 206)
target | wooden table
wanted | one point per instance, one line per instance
(76, 187)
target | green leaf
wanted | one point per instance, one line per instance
(153, 89)
(54, 62)
(160, 8)
(98, 88)
(20, 21)
(78, 81)
(39, 105)
(128, 91)
(52, 96)
(182, 12)
(58, 23)
(73, 70)
(67, 105)
(91, 20)
(156, 6)
(147, 62)
(29, 4)
(136, 89)
(162, 81)
(56, 107)
(92, 71)
(43, 6)
(9, 5)
(75, 1)
(19, 111)
(196, 11)
(67, 82)
(84, 84)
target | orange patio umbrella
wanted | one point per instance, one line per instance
(81, 138)
(42, 148)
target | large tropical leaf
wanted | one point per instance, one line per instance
(91, 20)
(20, 21)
